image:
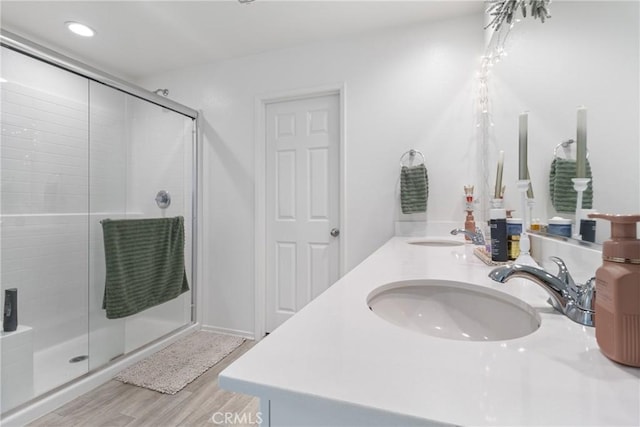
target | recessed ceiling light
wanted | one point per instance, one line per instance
(79, 29)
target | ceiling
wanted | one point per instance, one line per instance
(137, 38)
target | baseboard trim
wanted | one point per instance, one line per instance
(239, 333)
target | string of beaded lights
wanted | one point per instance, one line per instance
(502, 11)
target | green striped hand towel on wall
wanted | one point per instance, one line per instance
(145, 264)
(414, 189)
(563, 196)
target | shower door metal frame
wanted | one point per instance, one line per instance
(26, 47)
(44, 54)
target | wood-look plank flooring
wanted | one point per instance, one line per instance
(115, 404)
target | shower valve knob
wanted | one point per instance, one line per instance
(163, 199)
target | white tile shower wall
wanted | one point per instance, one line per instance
(160, 144)
(411, 87)
(44, 182)
(109, 133)
(44, 154)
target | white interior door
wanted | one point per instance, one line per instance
(302, 203)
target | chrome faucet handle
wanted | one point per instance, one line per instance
(565, 277)
(580, 298)
(479, 240)
(575, 301)
(582, 308)
(586, 295)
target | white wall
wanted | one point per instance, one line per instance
(405, 88)
(586, 54)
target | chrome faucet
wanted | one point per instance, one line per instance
(477, 238)
(573, 300)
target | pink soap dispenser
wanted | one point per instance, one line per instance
(617, 303)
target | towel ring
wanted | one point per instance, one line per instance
(412, 154)
(565, 144)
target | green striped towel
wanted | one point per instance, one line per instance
(563, 196)
(414, 189)
(145, 264)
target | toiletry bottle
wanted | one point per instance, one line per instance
(469, 224)
(535, 224)
(559, 226)
(498, 225)
(514, 230)
(588, 226)
(618, 292)
(10, 318)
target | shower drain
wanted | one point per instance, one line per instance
(78, 358)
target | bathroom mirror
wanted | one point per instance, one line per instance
(586, 54)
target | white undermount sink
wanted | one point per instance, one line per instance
(453, 310)
(436, 242)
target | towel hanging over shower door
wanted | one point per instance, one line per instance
(145, 264)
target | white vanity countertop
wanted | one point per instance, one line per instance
(337, 349)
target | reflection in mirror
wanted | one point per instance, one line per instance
(586, 55)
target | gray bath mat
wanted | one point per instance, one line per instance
(171, 369)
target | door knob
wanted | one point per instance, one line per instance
(335, 232)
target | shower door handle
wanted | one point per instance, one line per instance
(335, 232)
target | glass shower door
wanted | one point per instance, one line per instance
(108, 153)
(137, 149)
(44, 185)
(72, 153)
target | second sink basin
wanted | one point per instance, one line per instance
(453, 310)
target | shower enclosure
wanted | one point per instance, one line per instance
(78, 147)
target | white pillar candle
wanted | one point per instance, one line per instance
(522, 145)
(498, 190)
(581, 146)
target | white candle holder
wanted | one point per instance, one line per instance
(523, 185)
(497, 203)
(525, 245)
(579, 184)
(530, 203)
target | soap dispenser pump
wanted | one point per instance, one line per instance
(617, 304)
